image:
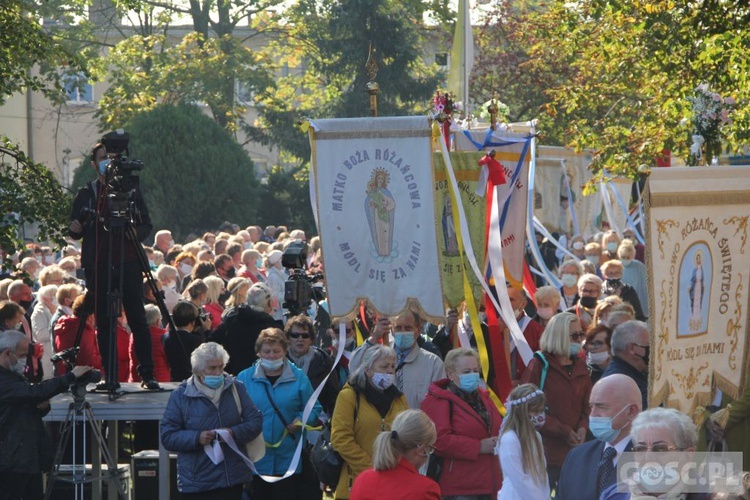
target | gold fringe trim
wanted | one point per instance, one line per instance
(726, 386)
(412, 304)
(699, 198)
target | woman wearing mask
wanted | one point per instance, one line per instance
(252, 261)
(577, 245)
(168, 277)
(589, 289)
(547, 300)
(563, 376)
(184, 263)
(520, 449)
(207, 401)
(212, 306)
(610, 242)
(275, 278)
(598, 350)
(468, 424)
(366, 406)
(634, 272)
(397, 456)
(280, 390)
(593, 254)
(570, 271)
(40, 324)
(615, 286)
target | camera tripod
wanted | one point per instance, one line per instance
(79, 412)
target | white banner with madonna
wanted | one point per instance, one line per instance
(699, 272)
(372, 186)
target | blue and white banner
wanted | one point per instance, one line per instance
(372, 187)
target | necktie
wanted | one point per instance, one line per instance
(400, 371)
(606, 469)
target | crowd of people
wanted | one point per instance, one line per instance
(408, 411)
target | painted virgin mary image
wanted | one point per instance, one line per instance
(380, 208)
(695, 292)
(449, 229)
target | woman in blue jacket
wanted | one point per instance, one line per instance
(281, 391)
(208, 401)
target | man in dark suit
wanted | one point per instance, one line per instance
(590, 468)
(630, 348)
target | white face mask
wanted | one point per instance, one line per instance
(578, 245)
(382, 380)
(185, 268)
(545, 312)
(272, 364)
(597, 358)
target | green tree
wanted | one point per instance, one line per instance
(285, 199)
(633, 65)
(321, 49)
(195, 175)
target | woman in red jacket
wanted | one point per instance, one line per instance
(563, 376)
(66, 330)
(468, 425)
(397, 456)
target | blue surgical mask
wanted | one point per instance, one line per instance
(19, 366)
(626, 262)
(271, 364)
(259, 263)
(403, 340)
(569, 279)
(103, 166)
(601, 427)
(575, 348)
(468, 382)
(213, 381)
(612, 247)
(594, 259)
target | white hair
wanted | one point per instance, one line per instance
(626, 333)
(9, 339)
(679, 425)
(205, 353)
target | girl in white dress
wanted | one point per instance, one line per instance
(520, 447)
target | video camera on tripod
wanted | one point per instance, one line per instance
(68, 356)
(122, 183)
(299, 291)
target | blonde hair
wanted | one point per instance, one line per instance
(410, 429)
(612, 265)
(271, 336)
(626, 250)
(556, 337)
(547, 292)
(518, 420)
(452, 357)
(604, 306)
(214, 284)
(235, 288)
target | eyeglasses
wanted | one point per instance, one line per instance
(577, 335)
(659, 447)
(298, 335)
(595, 344)
(591, 292)
(428, 449)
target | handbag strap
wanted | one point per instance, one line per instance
(237, 399)
(278, 412)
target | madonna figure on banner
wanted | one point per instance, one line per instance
(695, 289)
(449, 229)
(380, 208)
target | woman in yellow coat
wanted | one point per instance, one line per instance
(365, 407)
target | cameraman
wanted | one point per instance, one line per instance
(26, 450)
(90, 212)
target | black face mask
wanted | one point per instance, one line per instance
(26, 304)
(231, 272)
(614, 283)
(588, 302)
(224, 296)
(646, 356)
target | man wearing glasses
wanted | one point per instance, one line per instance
(589, 291)
(22, 405)
(631, 347)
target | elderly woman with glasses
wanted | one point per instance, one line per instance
(206, 403)
(654, 432)
(563, 376)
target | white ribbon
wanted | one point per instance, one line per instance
(506, 311)
(216, 455)
(608, 209)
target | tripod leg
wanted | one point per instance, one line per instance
(109, 460)
(65, 431)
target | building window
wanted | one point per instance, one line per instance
(78, 89)
(243, 93)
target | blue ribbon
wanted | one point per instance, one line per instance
(488, 142)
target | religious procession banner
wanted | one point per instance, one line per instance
(699, 263)
(452, 266)
(512, 151)
(373, 193)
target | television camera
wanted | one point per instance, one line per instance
(299, 289)
(120, 178)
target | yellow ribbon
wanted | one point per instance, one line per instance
(286, 433)
(476, 325)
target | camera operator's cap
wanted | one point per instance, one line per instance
(274, 256)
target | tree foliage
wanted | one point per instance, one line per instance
(321, 48)
(633, 65)
(285, 199)
(29, 194)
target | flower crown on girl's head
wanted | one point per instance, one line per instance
(524, 399)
